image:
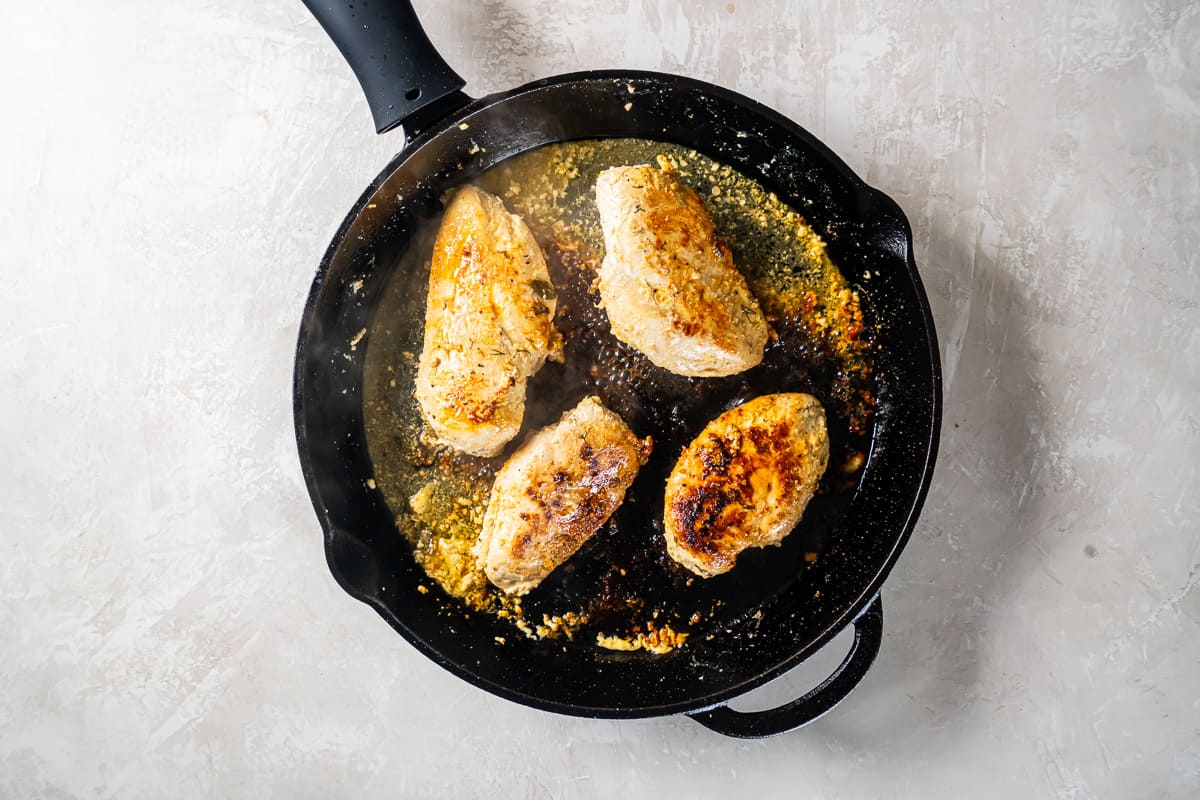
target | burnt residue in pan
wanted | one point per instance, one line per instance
(621, 588)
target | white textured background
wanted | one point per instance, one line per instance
(169, 176)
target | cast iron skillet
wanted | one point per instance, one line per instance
(407, 83)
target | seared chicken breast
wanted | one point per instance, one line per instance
(488, 324)
(668, 282)
(745, 481)
(554, 492)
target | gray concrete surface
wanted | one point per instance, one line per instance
(171, 175)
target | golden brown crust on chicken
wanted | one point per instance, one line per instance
(745, 481)
(488, 324)
(667, 280)
(554, 492)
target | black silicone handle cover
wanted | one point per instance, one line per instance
(397, 66)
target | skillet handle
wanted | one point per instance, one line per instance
(400, 71)
(868, 635)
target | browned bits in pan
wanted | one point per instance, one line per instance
(622, 577)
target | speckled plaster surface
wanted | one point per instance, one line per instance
(172, 174)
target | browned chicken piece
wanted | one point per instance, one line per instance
(488, 324)
(554, 492)
(668, 282)
(745, 481)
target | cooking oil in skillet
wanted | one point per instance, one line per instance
(621, 590)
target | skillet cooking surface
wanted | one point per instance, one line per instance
(622, 581)
(864, 231)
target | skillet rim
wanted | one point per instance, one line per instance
(866, 196)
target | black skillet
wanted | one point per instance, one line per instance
(407, 83)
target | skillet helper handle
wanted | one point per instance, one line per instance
(400, 71)
(868, 635)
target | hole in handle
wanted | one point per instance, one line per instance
(798, 679)
(412, 94)
(868, 636)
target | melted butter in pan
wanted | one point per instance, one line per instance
(621, 586)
